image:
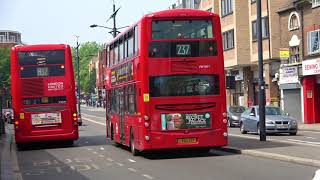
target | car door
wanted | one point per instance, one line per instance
(244, 118)
(252, 119)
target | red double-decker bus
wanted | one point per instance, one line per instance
(43, 93)
(165, 83)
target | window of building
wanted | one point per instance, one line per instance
(315, 3)
(294, 55)
(265, 29)
(314, 42)
(228, 39)
(294, 21)
(12, 39)
(2, 38)
(226, 7)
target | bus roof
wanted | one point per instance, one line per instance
(36, 47)
(164, 14)
(180, 13)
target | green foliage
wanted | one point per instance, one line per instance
(86, 52)
(4, 67)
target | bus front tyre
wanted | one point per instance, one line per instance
(20, 146)
(133, 149)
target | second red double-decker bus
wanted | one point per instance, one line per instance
(165, 83)
(43, 93)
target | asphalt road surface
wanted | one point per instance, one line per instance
(92, 157)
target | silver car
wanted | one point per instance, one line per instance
(276, 121)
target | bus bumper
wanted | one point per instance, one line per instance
(74, 135)
(176, 140)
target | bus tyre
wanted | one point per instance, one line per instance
(20, 146)
(242, 129)
(112, 138)
(133, 149)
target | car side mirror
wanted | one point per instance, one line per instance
(251, 114)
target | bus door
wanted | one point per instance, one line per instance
(121, 113)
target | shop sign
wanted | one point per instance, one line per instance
(289, 75)
(284, 54)
(311, 67)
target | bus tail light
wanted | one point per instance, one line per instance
(146, 118)
(147, 138)
(74, 116)
(225, 121)
(16, 123)
(146, 124)
(225, 134)
(224, 115)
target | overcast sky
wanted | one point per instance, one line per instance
(57, 21)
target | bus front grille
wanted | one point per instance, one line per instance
(32, 87)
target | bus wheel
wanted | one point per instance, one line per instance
(112, 138)
(20, 146)
(133, 149)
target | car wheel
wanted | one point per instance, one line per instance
(229, 123)
(242, 129)
(133, 149)
(293, 133)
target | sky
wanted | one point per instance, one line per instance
(58, 21)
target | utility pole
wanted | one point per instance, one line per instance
(78, 83)
(262, 93)
(114, 20)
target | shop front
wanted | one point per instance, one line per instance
(311, 90)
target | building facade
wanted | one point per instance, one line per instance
(9, 38)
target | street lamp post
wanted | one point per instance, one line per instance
(114, 31)
(262, 117)
(78, 83)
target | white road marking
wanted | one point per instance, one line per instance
(96, 122)
(131, 160)
(307, 142)
(131, 169)
(109, 159)
(102, 148)
(147, 176)
(98, 117)
(94, 152)
(315, 132)
(89, 149)
(119, 164)
(311, 138)
(95, 166)
(316, 175)
(101, 155)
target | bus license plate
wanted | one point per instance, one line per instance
(46, 118)
(186, 140)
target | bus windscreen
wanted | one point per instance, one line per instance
(41, 57)
(181, 29)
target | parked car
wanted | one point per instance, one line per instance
(276, 121)
(234, 114)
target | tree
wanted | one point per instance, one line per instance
(86, 52)
(5, 68)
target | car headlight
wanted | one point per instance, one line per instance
(269, 122)
(294, 122)
(235, 117)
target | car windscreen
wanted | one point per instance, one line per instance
(237, 109)
(181, 29)
(184, 85)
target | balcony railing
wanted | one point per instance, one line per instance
(10, 41)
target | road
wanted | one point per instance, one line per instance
(92, 157)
